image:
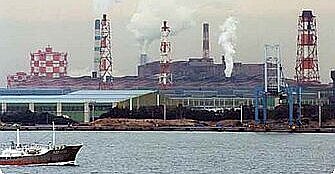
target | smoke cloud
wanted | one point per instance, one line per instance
(79, 72)
(103, 6)
(227, 42)
(147, 20)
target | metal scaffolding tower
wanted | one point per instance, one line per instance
(165, 76)
(307, 65)
(272, 69)
(275, 87)
(105, 66)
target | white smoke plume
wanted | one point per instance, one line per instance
(78, 72)
(103, 6)
(227, 41)
(147, 20)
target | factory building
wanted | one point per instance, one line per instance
(79, 105)
(197, 82)
(194, 69)
(48, 70)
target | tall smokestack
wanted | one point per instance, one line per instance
(332, 75)
(143, 59)
(223, 64)
(96, 58)
(205, 41)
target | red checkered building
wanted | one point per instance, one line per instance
(48, 64)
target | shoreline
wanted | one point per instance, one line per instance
(186, 129)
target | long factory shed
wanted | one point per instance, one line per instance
(75, 104)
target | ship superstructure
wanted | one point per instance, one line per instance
(27, 154)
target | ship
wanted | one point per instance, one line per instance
(39, 154)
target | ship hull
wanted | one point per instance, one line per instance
(67, 155)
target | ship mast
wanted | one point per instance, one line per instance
(53, 134)
(17, 138)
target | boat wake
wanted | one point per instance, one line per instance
(69, 163)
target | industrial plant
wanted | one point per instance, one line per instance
(195, 82)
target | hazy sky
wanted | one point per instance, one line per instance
(67, 25)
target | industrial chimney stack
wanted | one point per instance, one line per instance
(307, 62)
(332, 75)
(143, 59)
(205, 41)
(97, 40)
(223, 64)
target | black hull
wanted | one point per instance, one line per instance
(64, 154)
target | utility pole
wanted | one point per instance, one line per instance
(164, 111)
(93, 112)
(319, 103)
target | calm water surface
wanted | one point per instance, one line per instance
(187, 152)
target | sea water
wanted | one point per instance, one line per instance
(186, 152)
